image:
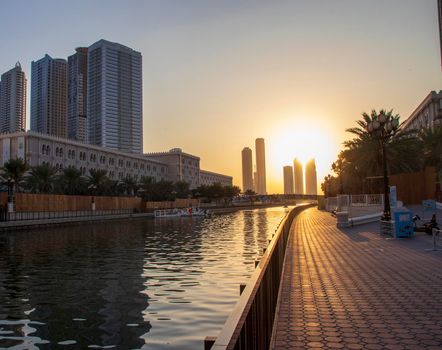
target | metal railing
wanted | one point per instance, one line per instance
(250, 324)
(344, 202)
(45, 215)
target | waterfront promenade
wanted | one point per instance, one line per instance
(353, 289)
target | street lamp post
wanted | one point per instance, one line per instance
(383, 127)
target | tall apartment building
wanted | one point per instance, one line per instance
(288, 180)
(77, 95)
(49, 96)
(298, 176)
(260, 166)
(114, 97)
(247, 169)
(311, 186)
(13, 100)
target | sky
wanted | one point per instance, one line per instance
(219, 74)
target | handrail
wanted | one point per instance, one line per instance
(250, 324)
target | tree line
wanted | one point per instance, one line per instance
(70, 181)
(358, 167)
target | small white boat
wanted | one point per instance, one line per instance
(189, 212)
(167, 213)
(194, 212)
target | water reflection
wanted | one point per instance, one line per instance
(150, 284)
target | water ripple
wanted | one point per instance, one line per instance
(144, 284)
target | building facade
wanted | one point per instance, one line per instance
(311, 185)
(182, 166)
(208, 178)
(37, 149)
(298, 176)
(49, 96)
(13, 100)
(247, 169)
(114, 97)
(288, 180)
(77, 95)
(260, 166)
(428, 114)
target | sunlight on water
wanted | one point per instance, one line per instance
(144, 284)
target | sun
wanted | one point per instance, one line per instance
(303, 139)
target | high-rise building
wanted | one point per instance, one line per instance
(299, 177)
(247, 169)
(260, 166)
(49, 96)
(13, 100)
(310, 177)
(77, 95)
(288, 180)
(114, 98)
(255, 182)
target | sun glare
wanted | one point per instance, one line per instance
(302, 140)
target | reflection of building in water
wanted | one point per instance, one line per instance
(92, 274)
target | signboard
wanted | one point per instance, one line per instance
(393, 196)
(21, 147)
(6, 150)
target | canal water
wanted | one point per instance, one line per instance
(139, 284)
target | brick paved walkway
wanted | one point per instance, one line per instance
(352, 289)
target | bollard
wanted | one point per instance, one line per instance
(242, 286)
(208, 342)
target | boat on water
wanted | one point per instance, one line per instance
(188, 212)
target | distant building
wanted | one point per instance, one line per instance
(255, 182)
(247, 169)
(209, 178)
(114, 97)
(13, 100)
(77, 95)
(298, 176)
(182, 166)
(49, 96)
(311, 186)
(260, 166)
(288, 180)
(428, 114)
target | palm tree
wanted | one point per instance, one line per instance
(130, 186)
(363, 153)
(98, 181)
(146, 185)
(15, 170)
(41, 179)
(71, 182)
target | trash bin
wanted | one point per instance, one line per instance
(403, 222)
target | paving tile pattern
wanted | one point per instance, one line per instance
(350, 289)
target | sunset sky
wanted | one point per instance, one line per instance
(218, 74)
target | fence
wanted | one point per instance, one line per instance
(355, 204)
(42, 215)
(250, 324)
